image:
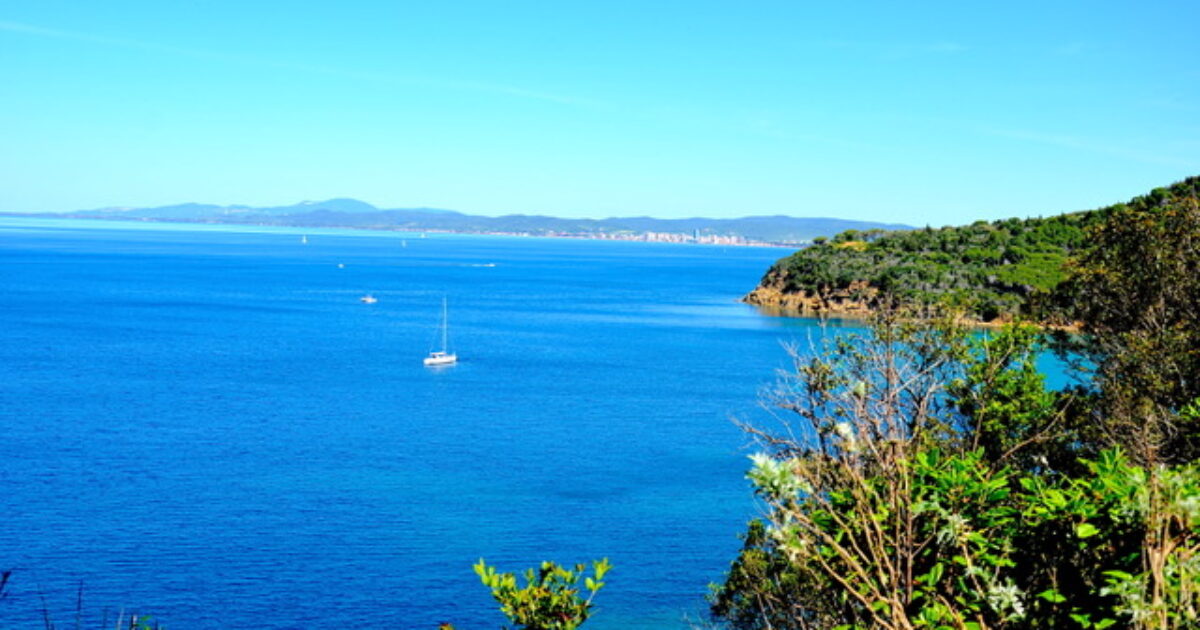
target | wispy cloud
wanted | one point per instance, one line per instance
(1071, 49)
(261, 62)
(895, 49)
(944, 47)
(1168, 103)
(1088, 145)
(120, 42)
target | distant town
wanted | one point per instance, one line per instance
(695, 237)
(762, 231)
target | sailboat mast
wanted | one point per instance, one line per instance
(445, 326)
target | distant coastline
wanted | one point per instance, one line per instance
(754, 231)
(643, 237)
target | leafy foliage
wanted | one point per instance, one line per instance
(882, 514)
(763, 590)
(550, 599)
(994, 270)
(1137, 293)
(1002, 394)
(933, 482)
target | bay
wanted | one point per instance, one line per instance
(207, 425)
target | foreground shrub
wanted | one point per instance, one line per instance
(923, 479)
(550, 599)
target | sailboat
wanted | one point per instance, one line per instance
(443, 356)
(304, 240)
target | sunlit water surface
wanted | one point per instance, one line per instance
(210, 426)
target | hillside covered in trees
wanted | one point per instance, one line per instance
(920, 475)
(994, 270)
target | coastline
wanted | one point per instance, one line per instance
(640, 237)
(854, 304)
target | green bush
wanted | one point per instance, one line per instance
(550, 598)
(927, 479)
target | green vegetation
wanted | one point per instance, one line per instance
(550, 599)
(1136, 292)
(994, 270)
(925, 478)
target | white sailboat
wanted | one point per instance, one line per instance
(443, 356)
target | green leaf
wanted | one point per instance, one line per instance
(1086, 530)
(1052, 596)
(935, 574)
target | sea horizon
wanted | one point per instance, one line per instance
(276, 451)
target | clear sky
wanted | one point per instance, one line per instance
(916, 112)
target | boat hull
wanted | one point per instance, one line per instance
(439, 358)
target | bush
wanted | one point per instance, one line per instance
(928, 479)
(550, 599)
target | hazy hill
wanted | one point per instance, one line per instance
(353, 213)
(202, 211)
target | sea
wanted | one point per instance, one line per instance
(206, 424)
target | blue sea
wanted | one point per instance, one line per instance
(206, 424)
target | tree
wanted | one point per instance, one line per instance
(881, 515)
(1136, 293)
(924, 478)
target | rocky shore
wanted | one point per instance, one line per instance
(857, 301)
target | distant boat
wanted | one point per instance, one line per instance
(368, 299)
(304, 240)
(444, 356)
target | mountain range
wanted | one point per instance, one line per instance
(352, 213)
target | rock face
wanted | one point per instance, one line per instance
(857, 300)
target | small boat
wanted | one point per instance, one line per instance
(304, 240)
(442, 357)
(368, 299)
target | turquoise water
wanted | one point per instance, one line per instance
(209, 425)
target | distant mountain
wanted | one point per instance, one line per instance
(331, 205)
(183, 211)
(193, 211)
(353, 213)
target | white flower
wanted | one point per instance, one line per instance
(775, 479)
(846, 431)
(1006, 600)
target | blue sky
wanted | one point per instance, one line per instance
(918, 112)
